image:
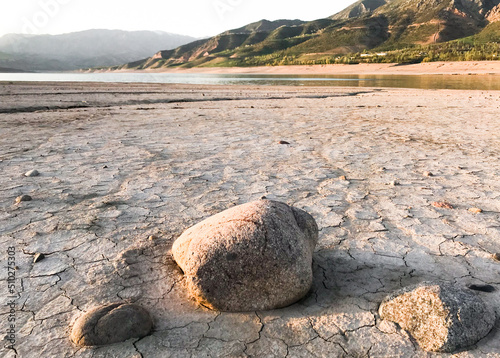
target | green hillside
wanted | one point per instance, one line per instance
(367, 31)
(490, 33)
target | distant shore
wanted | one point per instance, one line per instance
(430, 68)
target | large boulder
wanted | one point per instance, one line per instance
(441, 317)
(256, 256)
(111, 324)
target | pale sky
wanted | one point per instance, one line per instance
(198, 18)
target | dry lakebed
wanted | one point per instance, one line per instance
(403, 184)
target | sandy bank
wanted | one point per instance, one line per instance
(432, 68)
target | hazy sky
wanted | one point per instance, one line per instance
(190, 17)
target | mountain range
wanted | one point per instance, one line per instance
(91, 48)
(376, 26)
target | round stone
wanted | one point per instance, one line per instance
(256, 256)
(32, 173)
(111, 324)
(22, 198)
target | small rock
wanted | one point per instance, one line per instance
(23, 198)
(342, 177)
(496, 256)
(283, 142)
(440, 317)
(475, 210)
(428, 174)
(111, 324)
(377, 226)
(152, 237)
(442, 205)
(32, 173)
(256, 256)
(38, 257)
(394, 183)
(105, 167)
(482, 288)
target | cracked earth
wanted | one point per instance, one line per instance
(125, 169)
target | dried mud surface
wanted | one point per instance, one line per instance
(125, 169)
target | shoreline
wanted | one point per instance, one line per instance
(430, 68)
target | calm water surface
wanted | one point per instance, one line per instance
(475, 82)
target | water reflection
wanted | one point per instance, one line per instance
(468, 82)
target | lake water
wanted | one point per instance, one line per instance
(471, 82)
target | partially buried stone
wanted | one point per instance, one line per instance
(441, 317)
(32, 173)
(22, 198)
(38, 257)
(256, 256)
(111, 324)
